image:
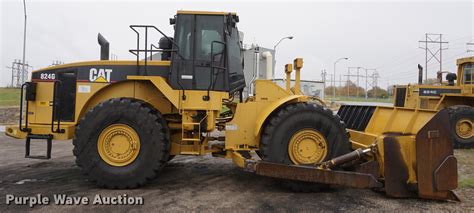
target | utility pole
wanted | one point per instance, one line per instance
(357, 88)
(366, 81)
(366, 92)
(348, 80)
(323, 76)
(23, 74)
(375, 76)
(340, 80)
(434, 40)
(469, 46)
(274, 51)
(349, 75)
(334, 74)
(19, 73)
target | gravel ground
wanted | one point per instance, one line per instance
(192, 184)
(9, 115)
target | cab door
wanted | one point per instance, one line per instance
(181, 75)
(209, 53)
(201, 48)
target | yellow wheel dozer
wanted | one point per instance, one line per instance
(127, 119)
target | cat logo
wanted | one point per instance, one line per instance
(100, 75)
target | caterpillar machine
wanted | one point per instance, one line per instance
(127, 119)
(456, 95)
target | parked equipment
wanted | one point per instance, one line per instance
(128, 118)
(456, 95)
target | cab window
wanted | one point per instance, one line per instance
(468, 73)
(184, 36)
(208, 29)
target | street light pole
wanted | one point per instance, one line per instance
(334, 73)
(24, 45)
(274, 51)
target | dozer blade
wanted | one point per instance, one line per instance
(408, 153)
(437, 169)
(314, 175)
(415, 149)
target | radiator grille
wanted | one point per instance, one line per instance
(356, 117)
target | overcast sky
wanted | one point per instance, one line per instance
(382, 35)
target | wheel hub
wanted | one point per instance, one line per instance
(464, 128)
(307, 146)
(118, 145)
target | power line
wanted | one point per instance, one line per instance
(433, 39)
(56, 62)
(410, 65)
(19, 73)
(469, 44)
(408, 60)
(414, 73)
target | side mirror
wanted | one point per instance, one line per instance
(231, 23)
(236, 18)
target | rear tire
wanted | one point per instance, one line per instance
(140, 118)
(290, 121)
(461, 119)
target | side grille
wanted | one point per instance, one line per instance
(356, 117)
(400, 98)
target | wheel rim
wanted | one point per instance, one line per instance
(307, 146)
(118, 145)
(464, 128)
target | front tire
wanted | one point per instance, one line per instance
(121, 143)
(461, 120)
(303, 133)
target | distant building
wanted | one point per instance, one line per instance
(311, 88)
(256, 65)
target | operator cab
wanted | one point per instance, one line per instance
(207, 52)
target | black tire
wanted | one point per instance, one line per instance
(154, 138)
(456, 113)
(288, 120)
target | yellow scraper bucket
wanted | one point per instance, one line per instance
(414, 148)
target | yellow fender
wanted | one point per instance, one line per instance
(262, 117)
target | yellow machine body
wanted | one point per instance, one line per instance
(457, 97)
(195, 122)
(242, 133)
(440, 95)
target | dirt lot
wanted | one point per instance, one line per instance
(9, 115)
(195, 184)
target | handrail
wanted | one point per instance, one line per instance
(137, 51)
(212, 81)
(26, 129)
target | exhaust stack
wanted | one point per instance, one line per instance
(104, 47)
(420, 74)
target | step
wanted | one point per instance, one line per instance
(48, 138)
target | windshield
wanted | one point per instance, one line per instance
(468, 73)
(208, 29)
(184, 35)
